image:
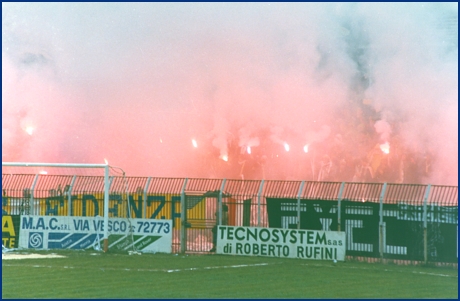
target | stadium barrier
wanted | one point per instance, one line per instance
(381, 221)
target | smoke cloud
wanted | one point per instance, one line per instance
(135, 82)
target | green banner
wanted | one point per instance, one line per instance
(402, 227)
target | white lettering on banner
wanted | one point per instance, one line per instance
(434, 213)
(291, 207)
(400, 250)
(288, 220)
(359, 210)
(318, 208)
(326, 223)
(355, 246)
(76, 232)
(277, 242)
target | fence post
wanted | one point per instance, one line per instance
(298, 203)
(69, 196)
(220, 201)
(144, 205)
(258, 202)
(382, 235)
(425, 234)
(183, 209)
(339, 199)
(31, 197)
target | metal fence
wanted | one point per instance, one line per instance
(416, 223)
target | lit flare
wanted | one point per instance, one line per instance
(286, 146)
(385, 147)
(30, 130)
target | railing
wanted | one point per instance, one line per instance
(417, 223)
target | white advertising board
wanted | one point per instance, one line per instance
(283, 243)
(77, 232)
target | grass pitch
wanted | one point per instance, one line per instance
(90, 274)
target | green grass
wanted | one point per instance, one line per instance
(87, 274)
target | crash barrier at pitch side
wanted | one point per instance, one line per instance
(408, 222)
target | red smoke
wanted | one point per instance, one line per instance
(135, 83)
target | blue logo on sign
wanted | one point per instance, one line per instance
(36, 240)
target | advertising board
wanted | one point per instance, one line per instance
(76, 232)
(281, 243)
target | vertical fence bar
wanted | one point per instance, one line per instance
(69, 196)
(220, 201)
(298, 203)
(144, 198)
(339, 200)
(183, 209)
(259, 194)
(381, 232)
(425, 234)
(31, 199)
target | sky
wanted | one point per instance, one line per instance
(283, 91)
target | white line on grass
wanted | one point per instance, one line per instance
(223, 267)
(217, 267)
(144, 270)
(385, 270)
